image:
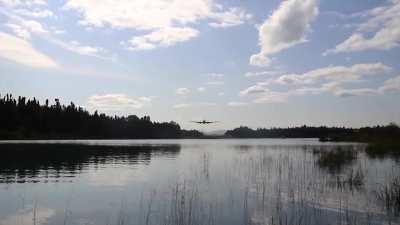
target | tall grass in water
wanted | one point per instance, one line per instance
(380, 149)
(273, 186)
(389, 195)
(336, 159)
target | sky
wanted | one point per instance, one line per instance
(257, 63)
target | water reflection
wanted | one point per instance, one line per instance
(223, 182)
(20, 163)
(336, 159)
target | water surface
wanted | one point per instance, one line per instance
(246, 181)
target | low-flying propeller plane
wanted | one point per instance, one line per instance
(204, 122)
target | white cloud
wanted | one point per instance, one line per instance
(19, 30)
(233, 17)
(357, 92)
(117, 102)
(237, 104)
(182, 91)
(35, 13)
(76, 47)
(197, 104)
(20, 51)
(215, 83)
(261, 73)
(216, 75)
(180, 106)
(162, 37)
(142, 15)
(335, 88)
(331, 80)
(392, 84)
(381, 31)
(271, 97)
(260, 60)
(255, 89)
(15, 3)
(168, 21)
(221, 94)
(23, 28)
(333, 73)
(286, 27)
(201, 89)
(34, 26)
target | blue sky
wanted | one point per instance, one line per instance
(255, 63)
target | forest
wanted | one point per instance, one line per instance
(389, 132)
(22, 118)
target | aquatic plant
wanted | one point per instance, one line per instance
(383, 148)
(334, 160)
(389, 195)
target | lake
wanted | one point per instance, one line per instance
(190, 182)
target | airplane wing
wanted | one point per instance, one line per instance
(204, 122)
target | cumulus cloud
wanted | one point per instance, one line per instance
(142, 15)
(381, 31)
(23, 28)
(117, 102)
(20, 51)
(332, 73)
(324, 80)
(19, 30)
(392, 84)
(162, 37)
(286, 27)
(182, 91)
(15, 3)
(233, 17)
(168, 22)
(77, 47)
(201, 89)
(35, 13)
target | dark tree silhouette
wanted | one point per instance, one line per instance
(27, 119)
(390, 132)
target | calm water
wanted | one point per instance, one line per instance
(262, 181)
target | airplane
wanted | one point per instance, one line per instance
(204, 122)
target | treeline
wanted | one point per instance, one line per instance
(389, 132)
(290, 132)
(24, 118)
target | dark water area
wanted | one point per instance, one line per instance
(246, 181)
